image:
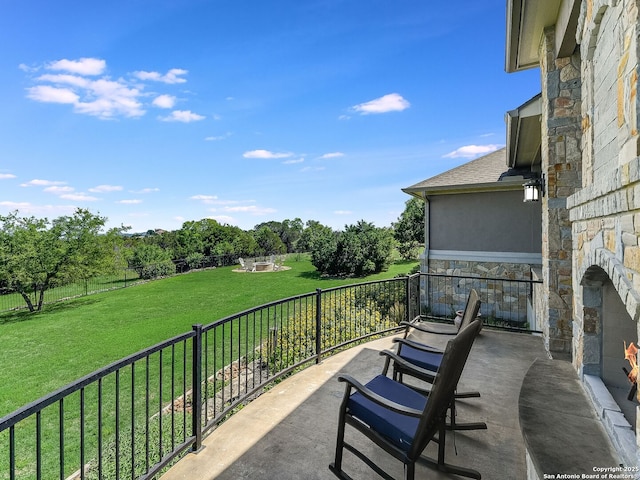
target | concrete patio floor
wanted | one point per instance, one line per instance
(289, 432)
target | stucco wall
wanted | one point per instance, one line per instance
(491, 222)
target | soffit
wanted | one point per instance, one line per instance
(526, 21)
(524, 135)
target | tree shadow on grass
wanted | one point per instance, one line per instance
(24, 314)
(315, 275)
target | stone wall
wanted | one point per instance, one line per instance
(561, 167)
(605, 213)
(504, 301)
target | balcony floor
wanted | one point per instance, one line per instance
(289, 432)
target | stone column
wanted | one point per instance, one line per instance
(561, 165)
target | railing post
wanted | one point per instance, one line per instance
(196, 388)
(318, 325)
(407, 301)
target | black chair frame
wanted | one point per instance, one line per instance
(431, 424)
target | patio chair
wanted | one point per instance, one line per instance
(246, 265)
(250, 265)
(411, 354)
(440, 329)
(400, 420)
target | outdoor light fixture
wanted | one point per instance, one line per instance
(534, 189)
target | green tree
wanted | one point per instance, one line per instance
(322, 242)
(36, 254)
(289, 231)
(409, 229)
(268, 242)
(311, 231)
(360, 250)
(151, 261)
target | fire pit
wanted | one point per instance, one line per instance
(263, 266)
(631, 355)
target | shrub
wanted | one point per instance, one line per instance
(360, 250)
(151, 261)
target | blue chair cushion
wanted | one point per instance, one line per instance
(397, 428)
(428, 360)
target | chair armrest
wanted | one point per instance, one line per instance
(379, 399)
(418, 346)
(411, 369)
(425, 329)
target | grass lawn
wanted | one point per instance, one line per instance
(44, 351)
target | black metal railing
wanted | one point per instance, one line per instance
(135, 417)
(506, 303)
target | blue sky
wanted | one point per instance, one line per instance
(153, 113)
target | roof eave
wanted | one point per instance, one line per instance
(501, 186)
(526, 21)
(524, 134)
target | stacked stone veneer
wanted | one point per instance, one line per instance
(605, 212)
(561, 167)
(503, 301)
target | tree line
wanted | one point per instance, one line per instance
(39, 254)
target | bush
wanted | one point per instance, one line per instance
(195, 260)
(360, 250)
(151, 261)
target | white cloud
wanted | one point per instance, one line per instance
(107, 98)
(312, 169)
(41, 183)
(332, 155)
(26, 68)
(265, 154)
(133, 201)
(79, 197)
(49, 94)
(14, 205)
(204, 198)
(293, 161)
(471, 151)
(343, 212)
(26, 208)
(228, 202)
(83, 84)
(223, 219)
(6, 176)
(83, 66)
(103, 98)
(105, 188)
(219, 137)
(58, 190)
(164, 101)
(145, 190)
(253, 209)
(60, 78)
(171, 77)
(184, 116)
(392, 102)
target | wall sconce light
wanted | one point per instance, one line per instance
(534, 189)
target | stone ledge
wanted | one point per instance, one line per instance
(616, 425)
(561, 431)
